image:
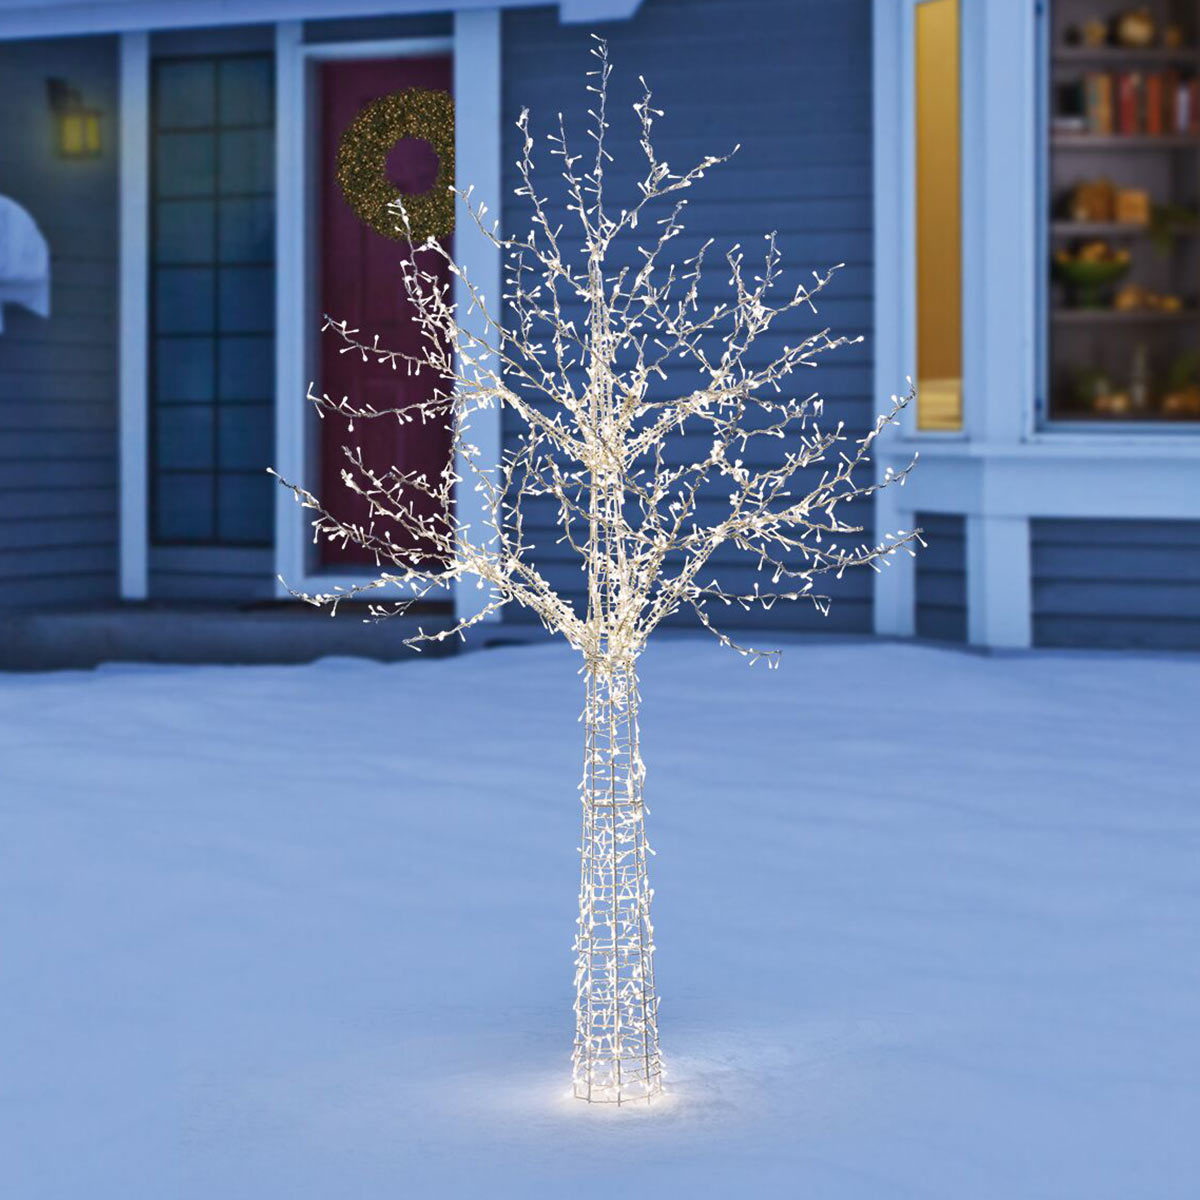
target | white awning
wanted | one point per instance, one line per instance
(24, 261)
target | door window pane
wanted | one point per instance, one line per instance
(247, 90)
(184, 94)
(246, 437)
(247, 230)
(183, 232)
(939, 217)
(247, 161)
(183, 370)
(247, 300)
(184, 164)
(246, 369)
(244, 512)
(184, 437)
(183, 300)
(183, 507)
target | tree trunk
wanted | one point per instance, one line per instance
(616, 1007)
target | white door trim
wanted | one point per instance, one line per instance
(133, 156)
(477, 165)
(476, 50)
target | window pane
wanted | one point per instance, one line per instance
(184, 437)
(183, 507)
(246, 437)
(247, 160)
(245, 508)
(183, 369)
(939, 217)
(183, 231)
(247, 230)
(212, 319)
(185, 164)
(246, 91)
(184, 97)
(183, 300)
(246, 368)
(247, 300)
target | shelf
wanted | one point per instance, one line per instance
(1114, 316)
(1081, 229)
(1113, 229)
(1125, 141)
(1126, 55)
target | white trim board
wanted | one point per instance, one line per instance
(475, 47)
(58, 18)
(133, 149)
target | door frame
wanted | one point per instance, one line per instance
(475, 52)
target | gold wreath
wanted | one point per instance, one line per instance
(362, 162)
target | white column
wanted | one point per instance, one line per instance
(999, 582)
(133, 150)
(999, 300)
(291, 406)
(894, 611)
(477, 165)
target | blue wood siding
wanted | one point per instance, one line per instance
(1116, 583)
(941, 578)
(791, 83)
(58, 383)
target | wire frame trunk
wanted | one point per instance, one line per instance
(616, 1057)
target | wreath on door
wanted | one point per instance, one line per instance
(362, 164)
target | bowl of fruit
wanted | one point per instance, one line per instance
(1089, 271)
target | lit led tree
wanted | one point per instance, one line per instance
(587, 359)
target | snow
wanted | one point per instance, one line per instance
(927, 927)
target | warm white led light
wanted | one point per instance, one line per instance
(634, 501)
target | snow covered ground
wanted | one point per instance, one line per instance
(928, 926)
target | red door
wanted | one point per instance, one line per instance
(360, 283)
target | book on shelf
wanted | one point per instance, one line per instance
(1186, 104)
(1154, 103)
(1129, 102)
(1098, 102)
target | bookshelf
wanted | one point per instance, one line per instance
(1123, 190)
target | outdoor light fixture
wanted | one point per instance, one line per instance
(77, 128)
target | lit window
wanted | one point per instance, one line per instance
(939, 217)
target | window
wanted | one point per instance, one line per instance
(1120, 205)
(938, 217)
(212, 303)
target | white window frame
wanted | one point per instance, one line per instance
(475, 48)
(1006, 469)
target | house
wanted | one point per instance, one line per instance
(176, 159)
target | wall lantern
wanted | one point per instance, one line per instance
(76, 127)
